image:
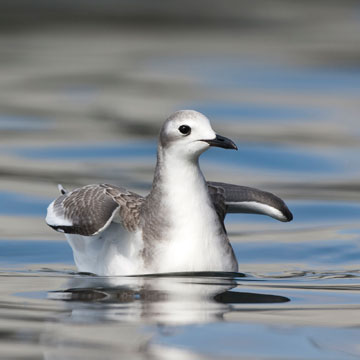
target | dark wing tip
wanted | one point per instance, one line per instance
(287, 214)
(278, 204)
(76, 230)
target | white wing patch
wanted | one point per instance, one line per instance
(253, 207)
(111, 218)
(53, 219)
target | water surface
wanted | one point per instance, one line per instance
(83, 103)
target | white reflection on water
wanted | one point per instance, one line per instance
(178, 299)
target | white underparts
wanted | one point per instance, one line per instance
(114, 251)
(196, 241)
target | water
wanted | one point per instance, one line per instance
(83, 103)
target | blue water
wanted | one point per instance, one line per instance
(311, 254)
(225, 340)
(284, 86)
(135, 149)
(226, 73)
(22, 204)
(20, 252)
(258, 113)
(271, 156)
(21, 123)
(286, 79)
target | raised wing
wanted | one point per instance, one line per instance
(230, 198)
(89, 210)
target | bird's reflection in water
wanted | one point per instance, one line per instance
(181, 298)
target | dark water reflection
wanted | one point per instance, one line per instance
(82, 102)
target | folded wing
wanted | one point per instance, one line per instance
(89, 210)
(230, 198)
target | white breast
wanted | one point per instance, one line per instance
(196, 241)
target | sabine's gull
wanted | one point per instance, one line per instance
(178, 227)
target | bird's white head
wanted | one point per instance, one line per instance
(188, 133)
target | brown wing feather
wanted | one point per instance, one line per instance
(129, 206)
(90, 209)
(217, 195)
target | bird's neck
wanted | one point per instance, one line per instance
(193, 229)
(176, 175)
(183, 197)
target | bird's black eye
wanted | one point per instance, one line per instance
(185, 129)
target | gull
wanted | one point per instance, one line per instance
(177, 227)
